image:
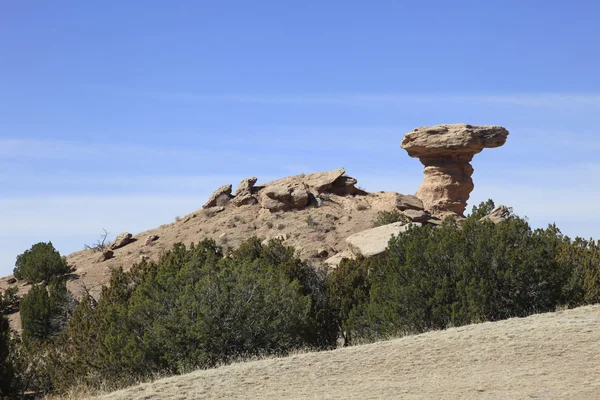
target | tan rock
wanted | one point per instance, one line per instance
(105, 255)
(446, 152)
(283, 197)
(122, 240)
(244, 199)
(335, 260)
(245, 186)
(150, 239)
(11, 281)
(220, 197)
(408, 202)
(417, 215)
(322, 181)
(372, 242)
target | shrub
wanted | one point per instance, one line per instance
(40, 263)
(45, 310)
(433, 278)
(389, 217)
(9, 301)
(7, 370)
(196, 309)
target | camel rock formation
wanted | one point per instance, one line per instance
(446, 152)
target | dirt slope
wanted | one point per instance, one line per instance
(546, 356)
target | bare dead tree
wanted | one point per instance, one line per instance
(100, 244)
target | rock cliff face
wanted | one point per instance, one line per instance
(446, 152)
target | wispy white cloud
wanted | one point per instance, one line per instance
(12, 149)
(543, 100)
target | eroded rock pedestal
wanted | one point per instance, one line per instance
(446, 152)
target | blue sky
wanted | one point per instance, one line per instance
(123, 115)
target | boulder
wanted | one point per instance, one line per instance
(11, 281)
(372, 242)
(122, 240)
(408, 202)
(335, 260)
(220, 197)
(417, 215)
(244, 199)
(323, 181)
(498, 214)
(150, 239)
(245, 186)
(446, 152)
(105, 255)
(283, 197)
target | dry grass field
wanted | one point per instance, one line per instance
(545, 356)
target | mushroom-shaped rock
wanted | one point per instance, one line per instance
(446, 152)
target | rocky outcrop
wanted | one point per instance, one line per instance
(336, 182)
(244, 199)
(245, 186)
(293, 192)
(498, 214)
(150, 239)
(220, 197)
(122, 240)
(105, 255)
(408, 202)
(417, 215)
(374, 241)
(446, 152)
(283, 197)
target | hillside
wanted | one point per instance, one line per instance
(316, 231)
(546, 356)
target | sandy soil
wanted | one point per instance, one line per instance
(546, 356)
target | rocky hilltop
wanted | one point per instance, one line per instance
(325, 216)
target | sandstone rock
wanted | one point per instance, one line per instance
(344, 185)
(122, 240)
(245, 186)
(105, 255)
(11, 281)
(335, 260)
(498, 214)
(446, 152)
(244, 199)
(408, 202)
(283, 197)
(220, 197)
(150, 239)
(374, 241)
(322, 181)
(417, 215)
